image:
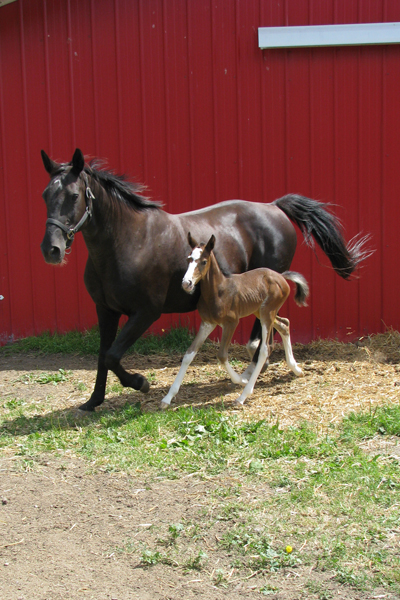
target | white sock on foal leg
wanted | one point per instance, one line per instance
(203, 333)
(257, 369)
(290, 360)
(235, 377)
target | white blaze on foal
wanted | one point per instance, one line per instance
(225, 300)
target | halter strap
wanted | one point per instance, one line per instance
(71, 231)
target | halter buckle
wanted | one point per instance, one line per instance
(89, 193)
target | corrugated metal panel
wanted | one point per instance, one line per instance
(177, 94)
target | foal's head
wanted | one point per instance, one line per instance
(198, 263)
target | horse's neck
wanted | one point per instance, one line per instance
(108, 217)
(102, 204)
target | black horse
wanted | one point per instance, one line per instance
(138, 252)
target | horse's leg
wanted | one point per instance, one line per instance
(204, 331)
(108, 325)
(136, 325)
(266, 329)
(254, 340)
(227, 332)
(282, 326)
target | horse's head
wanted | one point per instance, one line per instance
(68, 199)
(198, 263)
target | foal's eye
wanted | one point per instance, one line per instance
(203, 262)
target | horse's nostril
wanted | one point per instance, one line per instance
(53, 255)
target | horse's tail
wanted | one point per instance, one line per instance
(302, 289)
(315, 221)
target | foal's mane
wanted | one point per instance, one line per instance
(223, 265)
(119, 188)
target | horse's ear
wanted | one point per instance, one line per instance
(50, 166)
(192, 241)
(210, 244)
(78, 162)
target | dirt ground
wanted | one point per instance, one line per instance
(65, 531)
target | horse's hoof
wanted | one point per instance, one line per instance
(164, 405)
(238, 402)
(86, 407)
(145, 387)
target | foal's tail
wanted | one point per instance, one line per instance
(315, 221)
(302, 289)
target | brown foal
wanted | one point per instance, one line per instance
(225, 300)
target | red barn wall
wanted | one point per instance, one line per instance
(178, 95)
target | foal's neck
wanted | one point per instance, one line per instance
(213, 278)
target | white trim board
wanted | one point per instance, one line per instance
(328, 35)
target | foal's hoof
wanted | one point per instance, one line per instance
(164, 405)
(145, 386)
(238, 402)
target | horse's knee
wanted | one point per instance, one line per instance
(111, 362)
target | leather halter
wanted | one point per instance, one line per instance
(72, 230)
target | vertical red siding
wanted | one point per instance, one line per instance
(177, 94)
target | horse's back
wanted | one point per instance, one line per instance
(255, 233)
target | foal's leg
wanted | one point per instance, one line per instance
(263, 355)
(283, 328)
(227, 332)
(203, 333)
(245, 377)
(252, 348)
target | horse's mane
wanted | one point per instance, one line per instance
(119, 188)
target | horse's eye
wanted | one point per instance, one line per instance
(203, 262)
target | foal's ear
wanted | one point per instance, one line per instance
(78, 162)
(192, 241)
(50, 166)
(210, 244)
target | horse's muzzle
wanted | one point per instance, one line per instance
(52, 254)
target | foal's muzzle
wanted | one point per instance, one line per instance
(188, 286)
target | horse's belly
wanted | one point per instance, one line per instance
(181, 302)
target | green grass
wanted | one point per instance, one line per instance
(384, 421)
(326, 496)
(88, 342)
(311, 488)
